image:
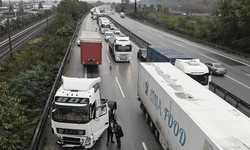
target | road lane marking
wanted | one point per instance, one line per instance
(144, 146)
(237, 81)
(162, 37)
(139, 31)
(207, 57)
(132, 27)
(108, 58)
(163, 44)
(149, 37)
(119, 86)
(86, 74)
(248, 74)
(178, 44)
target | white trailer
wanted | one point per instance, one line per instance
(195, 69)
(79, 115)
(184, 115)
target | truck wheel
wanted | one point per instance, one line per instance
(109, 49)
(156, 133)
(147, 117)
(151, 125)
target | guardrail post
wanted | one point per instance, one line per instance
(225, 95)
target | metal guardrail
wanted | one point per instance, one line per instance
(227, 96)
(38, 138)
(131, 35)
(230, 98)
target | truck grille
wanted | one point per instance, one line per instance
(71, 140)
(123, 56)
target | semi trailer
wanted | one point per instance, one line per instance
(184, 115)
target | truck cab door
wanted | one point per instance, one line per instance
(101, 121)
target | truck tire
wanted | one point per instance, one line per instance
(156, 133)
(112, 106)
(151, 125)
(109, 49)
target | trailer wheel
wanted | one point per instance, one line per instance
(156, 133)
(151, 125)
(147, 116)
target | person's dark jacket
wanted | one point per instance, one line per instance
(118, 131)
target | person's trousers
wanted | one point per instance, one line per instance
(118, 140)
(110, 134)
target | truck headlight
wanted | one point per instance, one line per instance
(88, 141)
(116, 58)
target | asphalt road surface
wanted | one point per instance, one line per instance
(118, 84)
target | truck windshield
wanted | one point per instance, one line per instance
(71, 114)
(105, 26)
(126, 48)
(202, 79)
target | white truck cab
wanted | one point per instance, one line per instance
(195, 69)
(79, 115)
(120, 47)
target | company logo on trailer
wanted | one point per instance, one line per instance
(172, 124)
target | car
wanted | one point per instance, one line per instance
(78, 41)
(108, 35)
(117, 32)
(216, 68)
(122, 15)
(112, 27)
(142, 54)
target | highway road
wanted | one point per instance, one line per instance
(237, 79)
(118, 84)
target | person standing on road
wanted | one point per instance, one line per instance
(110, 128)
(118, 134)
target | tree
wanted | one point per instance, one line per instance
(40, 5)
(11, 7)
(20, 6)
(12, 119)
(165, 9)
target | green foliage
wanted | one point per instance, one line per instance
(29, 77)
(12, 119)
(33, 86)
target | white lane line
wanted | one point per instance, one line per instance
(207, 57)
(149, 37)
(237, 81)
(208, 50)
(162, 37)
(144, 146)
(178, 44)
(139, 31)
(119, 86)
(108, 58)
(141, 28)
(86, 74)
(248, 74)
(131, 60)
(163, 44)
(132, 27)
